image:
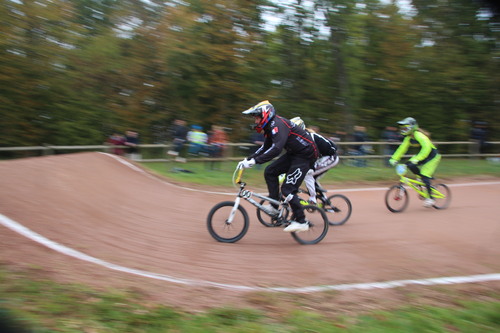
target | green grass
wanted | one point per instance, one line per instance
(28, 304)
(203, 174)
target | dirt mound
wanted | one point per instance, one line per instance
(129, 229)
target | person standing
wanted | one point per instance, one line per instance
(179, 136)
(360, 136)
(197, 139)
(390, 135)
(118, 140)
(217, 143)
(132, 142)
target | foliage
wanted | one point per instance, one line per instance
(71, 72)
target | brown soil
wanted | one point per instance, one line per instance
(94, 204)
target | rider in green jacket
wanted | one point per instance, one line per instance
(425, 162)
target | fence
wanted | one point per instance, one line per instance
(236, 151)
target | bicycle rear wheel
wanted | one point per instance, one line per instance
(442, 195)
(318, 226)
(269, 221)
(338, 209)
(396, 198)
(219, 227)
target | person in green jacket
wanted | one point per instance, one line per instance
(424, 163)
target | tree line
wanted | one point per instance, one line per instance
(74, 71)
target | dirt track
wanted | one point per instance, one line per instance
(92, 203)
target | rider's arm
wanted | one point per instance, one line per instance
(426, 145)
(402, 149)
(265, 146)
(278, 134)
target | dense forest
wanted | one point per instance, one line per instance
(73, 71)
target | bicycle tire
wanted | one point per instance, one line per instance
(220, 229)
(318, 226)
(338, 209)
(441, 203)
(397, 198)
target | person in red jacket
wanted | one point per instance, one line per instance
(301, 153)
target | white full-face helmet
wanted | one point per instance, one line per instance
(407, 126)
(299, 122)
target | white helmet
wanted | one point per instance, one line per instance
(407, 126)
(299, 122)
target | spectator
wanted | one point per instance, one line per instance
(390, 134)
(360, 136)
(257, 139)
(197, 140)
(132, 142)
(478, 137)
(116, 139)
(179, 136)
(217, 141)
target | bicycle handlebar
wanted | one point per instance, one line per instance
(237, 175)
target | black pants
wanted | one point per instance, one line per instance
(295, 168)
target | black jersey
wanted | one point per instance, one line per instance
(281, 134)
(326, 147)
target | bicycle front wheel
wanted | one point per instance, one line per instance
(318, 226)
(219, 226)
(396, 198)
(338, 209)
(442, 195)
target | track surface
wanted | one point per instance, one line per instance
(92, 203)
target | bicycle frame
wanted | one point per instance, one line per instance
(247, 195)
(417, 185)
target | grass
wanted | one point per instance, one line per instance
(201, 173)
(29, 304)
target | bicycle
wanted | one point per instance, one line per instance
(397, 198)
(228, 221)
(338, 207)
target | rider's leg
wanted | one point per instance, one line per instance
(324, 164)
(321, 166)
(294, 177)
(414, 168)
(271, 175)
(311, 186)
(427, 170)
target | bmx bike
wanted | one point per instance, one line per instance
(228, 221)
(397, 197)
(338, 207)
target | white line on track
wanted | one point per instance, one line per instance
(17, 227)
(309, 289)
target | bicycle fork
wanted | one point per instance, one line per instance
(400, 193)
(233, 210)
